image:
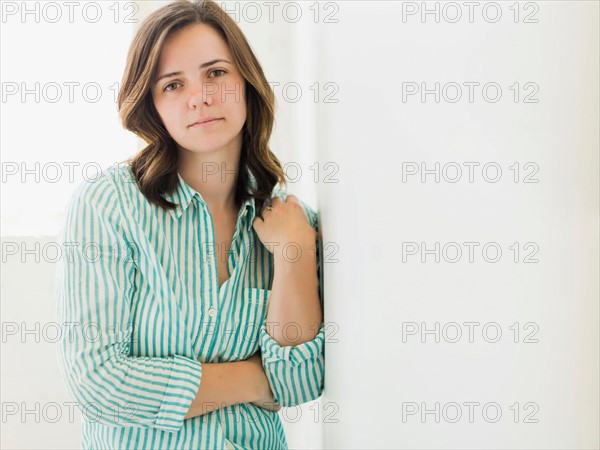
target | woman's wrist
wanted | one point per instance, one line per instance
(254, 377)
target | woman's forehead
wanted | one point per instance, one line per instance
(197, 39)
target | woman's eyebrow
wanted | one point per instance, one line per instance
(202, 66)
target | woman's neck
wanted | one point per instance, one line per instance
(214, 176)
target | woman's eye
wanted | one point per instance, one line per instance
(170, 84)
(218, 70)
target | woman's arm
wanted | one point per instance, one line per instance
(294, 314)
(226, 384)
(294, 363)
(94, 291)
(292, 340)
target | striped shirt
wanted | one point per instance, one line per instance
(139, 295)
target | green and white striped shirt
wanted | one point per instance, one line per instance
(140, 299)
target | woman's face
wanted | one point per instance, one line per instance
(202, 83)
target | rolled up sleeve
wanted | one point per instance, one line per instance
(295, 373)
(94, 287)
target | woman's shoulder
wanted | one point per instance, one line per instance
(123, 181)
(121, 175)
(111, 186)
(118, 174)
(95, 198)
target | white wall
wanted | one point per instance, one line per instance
(372, 372)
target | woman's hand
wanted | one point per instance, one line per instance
(265, 397)
(285, 224)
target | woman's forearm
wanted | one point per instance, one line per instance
(294, 314)
(224, 384)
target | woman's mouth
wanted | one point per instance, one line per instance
(206, 123)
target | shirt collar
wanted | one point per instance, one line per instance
(184, 194)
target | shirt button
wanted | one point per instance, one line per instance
(212, 312)
(228, 445)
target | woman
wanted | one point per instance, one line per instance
(177, 257)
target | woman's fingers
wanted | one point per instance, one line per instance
(276, 201)
(292, 198)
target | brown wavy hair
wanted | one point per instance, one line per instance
(155, 166)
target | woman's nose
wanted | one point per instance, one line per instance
(202, 92)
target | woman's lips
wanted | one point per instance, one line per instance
(207, 123)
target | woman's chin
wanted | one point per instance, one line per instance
(203, 149)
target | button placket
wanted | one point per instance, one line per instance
(208, 250)
(211, 256)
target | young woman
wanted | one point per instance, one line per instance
(191, 284)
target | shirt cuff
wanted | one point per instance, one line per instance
(294, 354)
(183, 386)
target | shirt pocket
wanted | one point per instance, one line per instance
(258, 296)
(249, 317)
